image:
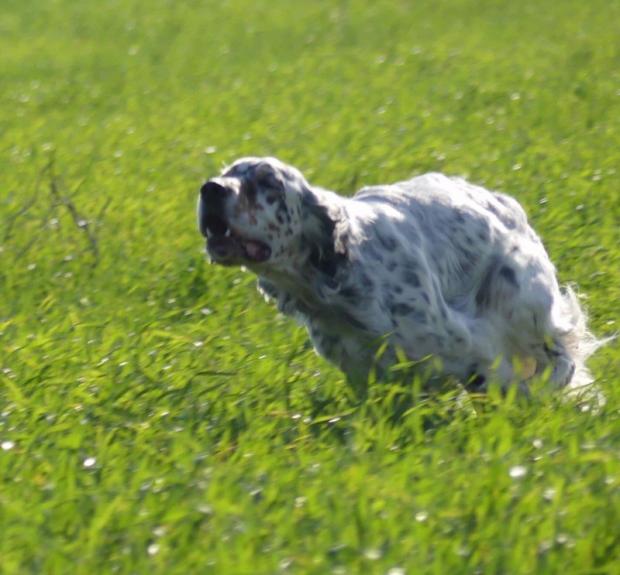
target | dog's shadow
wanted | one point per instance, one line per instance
(401, 407)
(410, 403)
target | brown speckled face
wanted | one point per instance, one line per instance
(250, 214)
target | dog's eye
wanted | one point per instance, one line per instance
(272, 196)
(267, 177)
(269, 181)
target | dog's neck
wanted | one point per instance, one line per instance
(299, 280)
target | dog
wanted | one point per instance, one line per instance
(432, 266)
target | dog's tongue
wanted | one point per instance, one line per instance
(257, 250)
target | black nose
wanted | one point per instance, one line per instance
(212, 207)
(213, 195)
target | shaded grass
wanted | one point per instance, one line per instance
(155, 415)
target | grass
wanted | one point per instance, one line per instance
(156, 416)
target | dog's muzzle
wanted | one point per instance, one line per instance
(224, 244)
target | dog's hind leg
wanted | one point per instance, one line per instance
(566, 343)
(549, 325)
(553, 357)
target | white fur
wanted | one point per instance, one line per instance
(431, 266)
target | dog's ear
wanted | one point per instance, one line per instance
(324, 232)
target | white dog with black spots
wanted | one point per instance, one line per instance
(433, 266)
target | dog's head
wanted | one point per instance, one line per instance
(261, 212)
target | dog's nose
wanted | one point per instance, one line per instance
(211, 203)
(213, 194)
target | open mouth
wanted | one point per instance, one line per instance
(226, 246)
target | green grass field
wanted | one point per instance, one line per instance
(156, 416)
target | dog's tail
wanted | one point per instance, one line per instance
(580, 343)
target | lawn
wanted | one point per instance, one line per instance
(157, 417)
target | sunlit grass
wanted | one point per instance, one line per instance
(157, 416)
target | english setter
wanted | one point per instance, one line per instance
(432, 266)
